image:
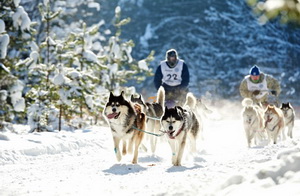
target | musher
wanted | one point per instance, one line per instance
(173, 75)
(258, 86)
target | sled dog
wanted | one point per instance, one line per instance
(123, 118)
(179, 123)
(253, 120)
(274, 123)
(153, 112)
(289, 117)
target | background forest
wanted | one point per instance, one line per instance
(59, 59)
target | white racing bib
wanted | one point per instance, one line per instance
(172, 76)
(258, 86)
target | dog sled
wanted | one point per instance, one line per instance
(272, 99)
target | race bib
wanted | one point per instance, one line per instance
(257, 86)
(172, 76)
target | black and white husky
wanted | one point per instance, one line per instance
(123, 119)
(153, 112)
(179, 123)
(289, 117)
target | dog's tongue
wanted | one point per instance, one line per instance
(170, 134)
(112, 115)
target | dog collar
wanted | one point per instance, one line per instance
(179, 131)
(268, 120)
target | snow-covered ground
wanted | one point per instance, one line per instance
(82, 162)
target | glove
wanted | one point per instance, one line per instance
(274, 93)
(256, 92)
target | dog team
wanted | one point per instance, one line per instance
(262, 116)
(176, 113)
(131, 121)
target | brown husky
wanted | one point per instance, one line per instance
(274, 123)
(124, 120)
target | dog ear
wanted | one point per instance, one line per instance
(111, 95)
(179, 109)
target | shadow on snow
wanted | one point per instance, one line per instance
(124, 169)
(182, 168)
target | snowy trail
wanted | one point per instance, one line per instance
(83, 163)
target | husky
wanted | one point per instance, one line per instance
(178, 123)
(289, 117)
(153, 112)
(124, 120)
(274, 123)
(253, 120)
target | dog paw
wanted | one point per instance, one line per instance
(134, 161)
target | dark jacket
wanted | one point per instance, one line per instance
(184, 83)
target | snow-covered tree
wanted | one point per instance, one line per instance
(65, 72)
(287, 10)
(42, 114)
(117, 56)
(16, 34)
(77, 75)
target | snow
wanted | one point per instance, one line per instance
(4, 40)
(59, 79)
(82, 162)
(3, 95)
(34, 46)
(90, 56)
(16, 96)
(74, 74)
(113, 68)
(118, 10)
(128, 50)
(4, 68)
(64, 97)
(94, 5)
(2, 26)
(115, 48)
(143, 65)
(89, 101)
(50, 41)
(17, 2)
(19, 106)
(21, 19)
(148, 35)
(273, 4)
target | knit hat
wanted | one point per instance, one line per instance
(171, 53)
(254, 71)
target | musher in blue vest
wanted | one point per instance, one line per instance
(173, 75)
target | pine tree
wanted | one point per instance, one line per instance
(78, 75)
(287, 11)
(42, 114)
(16, 34)
(117, 56)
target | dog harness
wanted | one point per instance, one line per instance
(172, 76)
